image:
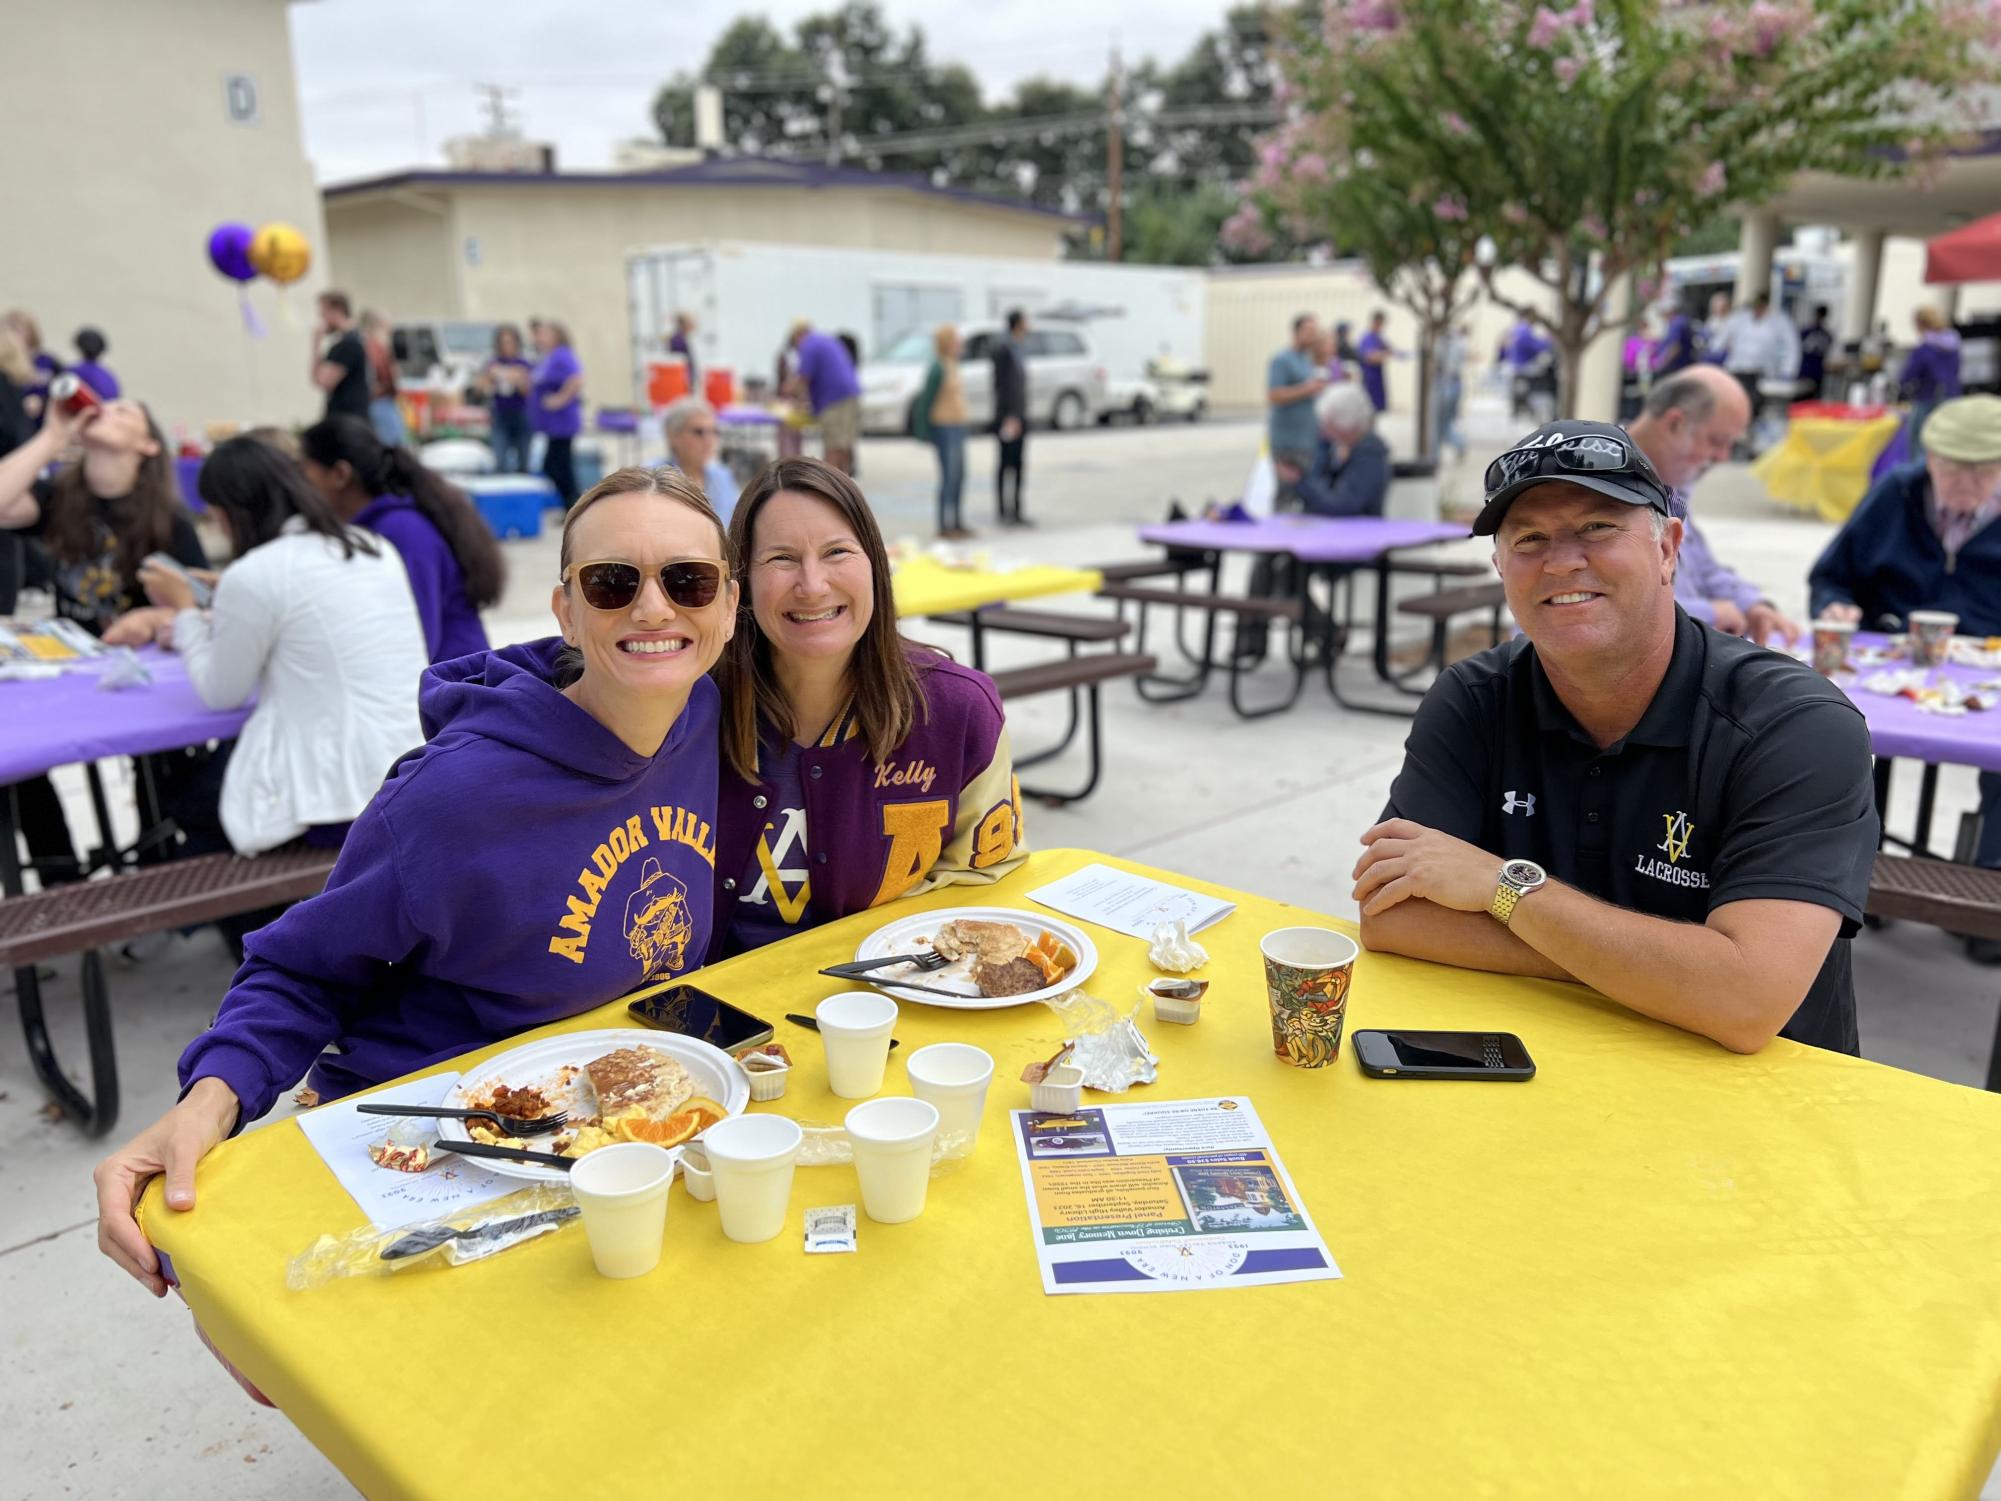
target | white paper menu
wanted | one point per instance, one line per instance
(342, 1136)
(1127, 903)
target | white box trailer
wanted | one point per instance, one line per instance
(746, 296)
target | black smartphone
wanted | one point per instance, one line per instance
(1443, 1055)
(696, 1013)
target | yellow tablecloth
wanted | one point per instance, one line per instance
(1822, 465)
(1658, 1269)
(925, 586)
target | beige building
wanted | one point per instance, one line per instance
(139, 126)
(423, 246)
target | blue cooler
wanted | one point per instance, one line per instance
(511, 504)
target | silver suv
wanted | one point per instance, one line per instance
(1066, 384)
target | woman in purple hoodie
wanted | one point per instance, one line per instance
(548, 849)
(858, 767)
(454, 563)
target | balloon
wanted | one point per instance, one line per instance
(280, 252)
(229, 251)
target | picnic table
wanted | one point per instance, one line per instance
(1899, 728)
(1316, 544)
(926, 586)
(1658, 1269)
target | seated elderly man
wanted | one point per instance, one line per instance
(1351, 466)
(1925, 539)
(694, 437)
(1677, 818)
(1692, 420)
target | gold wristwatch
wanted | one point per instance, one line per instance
(1517, 879)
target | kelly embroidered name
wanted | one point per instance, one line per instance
(913, 773)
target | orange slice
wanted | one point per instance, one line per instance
(693, 1118)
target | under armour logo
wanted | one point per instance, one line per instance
(1678, 831)
(1522, 802)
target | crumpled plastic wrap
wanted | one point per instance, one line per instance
(358, 1253)
(123, 669)
(828, 1146)
(1104, 1042)
(1173, 951)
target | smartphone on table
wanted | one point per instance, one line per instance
(693, 1012)
(1443, 1055)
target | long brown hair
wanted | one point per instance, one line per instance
(668, 482)
(142, 522)
(881, 680)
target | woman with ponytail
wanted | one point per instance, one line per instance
(454, 563)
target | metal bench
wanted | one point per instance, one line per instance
(1963, 899)
(1051, 625)
(1157, 688)
(87, 916)
(1440, 606)
(1076, 674)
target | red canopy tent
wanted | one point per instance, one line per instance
(1970, 253)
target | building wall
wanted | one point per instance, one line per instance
(559, 250)
(123, 158)
(1250, 315)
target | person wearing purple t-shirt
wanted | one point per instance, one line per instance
(1374, 351)
(549, 848)
(1931, 374)
(454, 564)
(90, 346)
(505, 379)
(556, 405)
(824, 373)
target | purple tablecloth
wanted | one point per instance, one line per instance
(1898, 727)
(69, 719)
(748, 416)
(1311, 539)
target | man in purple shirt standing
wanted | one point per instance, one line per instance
(1692, 420)
(1375, 352)
(825, 375)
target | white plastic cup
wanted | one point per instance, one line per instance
(751, 1158)
(892, 1142)
(953, 1076)
(622, 1191)
(854, 1029)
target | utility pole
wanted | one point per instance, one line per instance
(836, 78)
(497, 101)
(1115, 166)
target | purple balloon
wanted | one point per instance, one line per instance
(229, 251)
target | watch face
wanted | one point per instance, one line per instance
(1525, 874)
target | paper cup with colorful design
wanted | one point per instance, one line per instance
(1931, 636)
(1307, 974)
(1831, 640)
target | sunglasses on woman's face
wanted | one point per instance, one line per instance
(689, 585)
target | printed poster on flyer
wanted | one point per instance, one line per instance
(1162, 1197)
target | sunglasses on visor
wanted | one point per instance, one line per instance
(688, 585)
(1584, 453)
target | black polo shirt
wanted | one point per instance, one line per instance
(1748, 777)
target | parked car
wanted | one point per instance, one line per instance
(447, 353)
(1066, 384)
(1169, 391)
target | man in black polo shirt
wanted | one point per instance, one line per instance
(1680, 819)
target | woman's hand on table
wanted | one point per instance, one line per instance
(173, 1144)
(168, 588)
(1405, 859)
(1842, 613)
(140, 627)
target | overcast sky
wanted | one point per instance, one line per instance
(383, 83)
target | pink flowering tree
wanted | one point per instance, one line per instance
(1579, 143)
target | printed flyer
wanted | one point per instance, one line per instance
(1162, 1197)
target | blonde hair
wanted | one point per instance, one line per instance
(671, 483)
(1929, 318)
(945, 339)
(14, 361)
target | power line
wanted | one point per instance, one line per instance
(910, 142)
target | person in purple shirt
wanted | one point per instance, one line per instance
(824, 373)
(556, 405)
(1374, 351)
(1931, 374)
(505, 379)
(90, 346)
(682, 342)
(550, 848)
(1692, 420)
(454, 564)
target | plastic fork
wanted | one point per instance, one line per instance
(927, 961)
(507, 1125)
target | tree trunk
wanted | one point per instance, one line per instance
(1426, 427)
(1569, 366)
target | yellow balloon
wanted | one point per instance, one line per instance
(280, 252)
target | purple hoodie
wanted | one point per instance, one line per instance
(522, 866)
(451, 624)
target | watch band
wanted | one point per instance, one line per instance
(1505, 899)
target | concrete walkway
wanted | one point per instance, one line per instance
(108, 1394)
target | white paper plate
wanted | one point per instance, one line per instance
(716, 1075)
(900, 937)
